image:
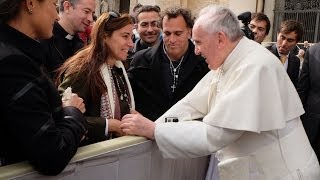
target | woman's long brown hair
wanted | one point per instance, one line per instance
(89, 60)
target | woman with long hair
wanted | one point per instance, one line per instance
(97, 75)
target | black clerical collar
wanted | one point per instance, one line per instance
(59, 29)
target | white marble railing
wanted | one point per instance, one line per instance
(124, 158)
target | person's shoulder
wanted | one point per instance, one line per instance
(268, 47)
(11, 56)
(145, 56)
(295, 58)
(17, 71)
(19, 65)
(271, 47)
(141, 55)
(199, 61)
(77, 82)
(261, 57)
(8, 50)
(314, 48)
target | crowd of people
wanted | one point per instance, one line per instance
(197, 87)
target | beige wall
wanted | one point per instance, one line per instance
(193, 5)
(241, 6)
(196, 5)
(268, 10)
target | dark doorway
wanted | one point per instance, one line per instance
(124, 6)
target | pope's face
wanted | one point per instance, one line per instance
(205, 45)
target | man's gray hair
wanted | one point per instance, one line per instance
(215, 18)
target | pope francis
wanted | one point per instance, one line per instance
(245, 109)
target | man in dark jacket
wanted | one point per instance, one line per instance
(162, 75)
(75, 16)
(148, 27)
(289, 34)
(309, 92)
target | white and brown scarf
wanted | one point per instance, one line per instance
(109, 108)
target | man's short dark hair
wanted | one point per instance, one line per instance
(136, 7)
(289, 26)
(262, 17)
(174, 12)
(157, 7)
(147, 8)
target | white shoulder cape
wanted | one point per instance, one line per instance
(254, 93)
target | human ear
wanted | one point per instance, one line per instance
(222, 38)
(30, 6)
(189, 33)
(66, 6)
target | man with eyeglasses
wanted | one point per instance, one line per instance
(260, 26)
(289, 34)
(75, 16)
(148, 27)
(162, 75)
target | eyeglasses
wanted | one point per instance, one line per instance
(153, 24)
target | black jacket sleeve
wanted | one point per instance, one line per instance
(304, 80)
(36, 126)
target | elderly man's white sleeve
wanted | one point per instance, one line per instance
(190, 139)
(182, 110)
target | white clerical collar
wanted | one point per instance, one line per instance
(70, 37)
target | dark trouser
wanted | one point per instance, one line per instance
(311, 124)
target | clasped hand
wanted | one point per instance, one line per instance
(136, 124)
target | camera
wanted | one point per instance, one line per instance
(171, 119)
(245, 18)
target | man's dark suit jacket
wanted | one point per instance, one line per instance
(309, 92)
(293, 64)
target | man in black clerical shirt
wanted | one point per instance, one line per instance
(75, 16)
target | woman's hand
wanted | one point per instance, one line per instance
(74, 101)
(114, 126)
(136, 124)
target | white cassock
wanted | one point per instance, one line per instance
(248, 113)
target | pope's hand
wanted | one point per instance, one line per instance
(136, 124)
